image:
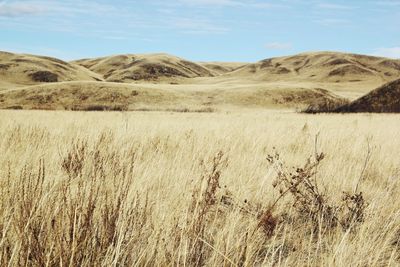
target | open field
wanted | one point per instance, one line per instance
(173, 189)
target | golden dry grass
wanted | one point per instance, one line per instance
(125, 189)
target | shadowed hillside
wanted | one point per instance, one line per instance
(383, 99)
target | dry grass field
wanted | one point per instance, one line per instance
(249, 188)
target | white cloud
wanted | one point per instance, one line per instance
(391, 52)
(279, 46)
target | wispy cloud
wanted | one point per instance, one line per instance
(330, 22)
(55, 8)
(391, 52)
(196, 26)
(73, 16)
(16, 9)
(278, 46)
(388, 3)
(229, 3)
(334, 6)
(212, 2)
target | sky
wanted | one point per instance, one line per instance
(199, 30)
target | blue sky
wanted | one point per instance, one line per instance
(202, 30)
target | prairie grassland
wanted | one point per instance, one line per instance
(169, 189)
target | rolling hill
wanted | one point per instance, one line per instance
(162, 82)
(22, 69)
(146, 67)
(323, 67)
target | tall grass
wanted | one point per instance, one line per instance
(161, 189)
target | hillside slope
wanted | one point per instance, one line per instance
(23, 69)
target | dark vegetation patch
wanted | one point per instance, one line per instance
(100, 108)
(153, 71)
(15, 107)
(44, 76)
(5, 66)
(157, 69)
(325, 105)
(338, 61)
(281, 70)
(188, 110)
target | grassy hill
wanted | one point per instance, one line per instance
(323, 66)
(22, 69)
(146, 67)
